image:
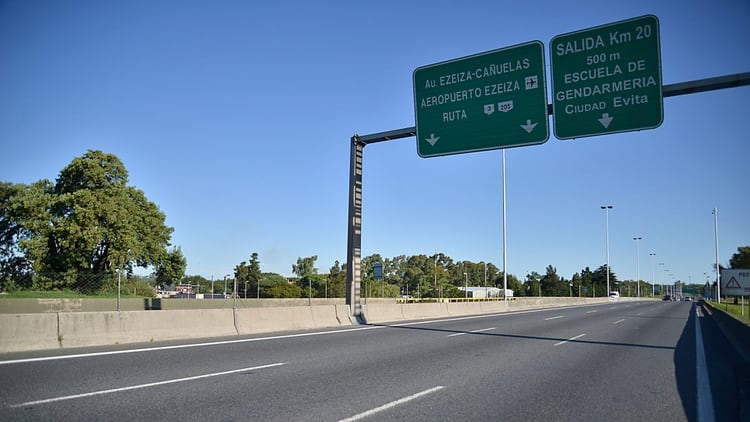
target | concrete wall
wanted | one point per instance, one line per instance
(380, 311)
(64, 329)
(32, 306)
(28, 332)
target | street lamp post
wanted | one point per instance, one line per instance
(716, 242)
(653, 275)
(661, 279)
(466, 286)
(638, 265)
(606, 209)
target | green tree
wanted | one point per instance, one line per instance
(203, 284)
(254, 274)
(740, 260)
(553, 284)
(15, 269)
(285, 291)
(305, 266)
(337, 280)
(90, 222)
(171, 268)
(241, 272)
(599, 280)
(513, 284)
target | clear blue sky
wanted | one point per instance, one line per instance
(234, 117)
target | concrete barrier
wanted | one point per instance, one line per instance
(412, 311)
(265, 320)
(22, 332)
(105, 328)
(377, 312)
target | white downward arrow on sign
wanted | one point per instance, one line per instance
(528, 127)
(605, 120)
(432, 139)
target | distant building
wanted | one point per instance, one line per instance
(486, 292)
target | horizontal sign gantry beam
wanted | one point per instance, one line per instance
(672, 90)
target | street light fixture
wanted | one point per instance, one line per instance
(638, 265)
(606, 209)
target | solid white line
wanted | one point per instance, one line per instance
(182, 346)
(618, 321)
(391, 404)
(570, 339)
(591, 312)
(136, 387)
(704, 403)
(470, 332)
(554, 317)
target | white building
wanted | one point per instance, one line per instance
(486, 292)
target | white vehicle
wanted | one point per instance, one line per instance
(614, 295)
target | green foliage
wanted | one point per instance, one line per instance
(171, 268)
(337, 280)
(740, 260)
(738, 310)
(305, 266)
(88, 223)
(286, 291)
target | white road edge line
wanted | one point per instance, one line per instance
(704, 403)
(570, 339)
(619, 321)
(184, 346)
(554, 317)
(591, 312)
(391, 404)
(136, 387)
(471, 332)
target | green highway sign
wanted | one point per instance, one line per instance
(491, 100)
(607, 79)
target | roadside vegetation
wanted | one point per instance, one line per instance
(87, 233)
(735, 307)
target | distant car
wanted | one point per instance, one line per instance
(667, 298)
(687, 299)
(614, 294)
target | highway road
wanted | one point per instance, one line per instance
(621, 361)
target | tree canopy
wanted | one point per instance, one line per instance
(741, 259)
(89, 222)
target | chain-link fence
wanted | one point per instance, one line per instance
(81, 284)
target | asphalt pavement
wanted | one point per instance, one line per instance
(620, 361)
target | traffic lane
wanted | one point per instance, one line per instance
(514, 370)
(134, 369)
(404, 357)
(472, 365)
(349, 373)
(102, 368)
(611, 375)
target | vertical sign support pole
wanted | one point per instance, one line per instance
(354, 228)
(505, 240)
